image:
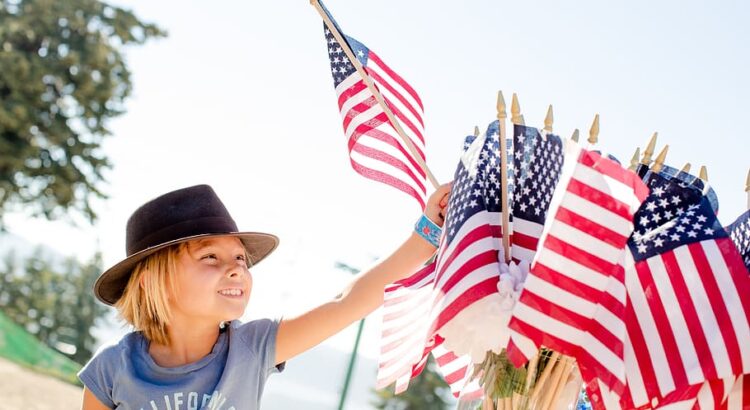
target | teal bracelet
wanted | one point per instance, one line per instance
(428, 230)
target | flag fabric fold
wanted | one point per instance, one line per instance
(739, 231)
(376, 150)
(465, 274)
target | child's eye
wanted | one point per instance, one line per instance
(209, 256)
(242, 258)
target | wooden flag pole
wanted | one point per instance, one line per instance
(375, 92)
(501, 116)
(747, 189)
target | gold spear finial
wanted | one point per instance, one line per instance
(515, 111)
(476, 131)
(635, 158)
(549, 119)
(646, 160)
(659, 161)
(574, 137)
(703, 174)
(594, 131)
(747, 182)
(501, 114)
(686, 168)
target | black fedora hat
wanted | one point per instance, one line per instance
(178, 216)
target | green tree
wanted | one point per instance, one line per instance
(62, 78)
(427, 391)
(53, 301)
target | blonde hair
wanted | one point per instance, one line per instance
(145, 302)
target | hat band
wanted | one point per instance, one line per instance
(184, 229)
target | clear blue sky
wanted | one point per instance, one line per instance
(239, 96)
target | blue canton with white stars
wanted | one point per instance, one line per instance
(684, 177)
(739, 231)
(341, 66)
(537, 161)
(481, 193)
(673, 215)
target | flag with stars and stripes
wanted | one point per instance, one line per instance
(573, 297)
(376, 150)
(465, 272)
(537, 161)
(739, 231)
(688, 296)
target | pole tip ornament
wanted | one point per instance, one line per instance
(515, 111)
(703, 174)
(686, 168)
(549, 119)
(646, 160)
(594, 131)
(747, 182)
(476, 131)
(634, 159)
(659, 161)
(501, 114)
(575, 135)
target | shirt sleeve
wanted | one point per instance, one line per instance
(99, 373)
(260, 335)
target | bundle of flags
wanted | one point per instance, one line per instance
(633, 277)
(632, 274)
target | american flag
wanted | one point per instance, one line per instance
(739, 231)
(376, 151)
(465, 271)
(537, 161)
(732, 393)
(574, 296)
(688, 297)
(468, 258)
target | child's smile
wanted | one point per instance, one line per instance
(214, 266)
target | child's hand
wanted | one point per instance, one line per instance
(437, 204)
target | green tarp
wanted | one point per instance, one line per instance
(17, 345)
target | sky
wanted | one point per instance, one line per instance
(240, 96)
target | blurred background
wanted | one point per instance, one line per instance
(104, 106)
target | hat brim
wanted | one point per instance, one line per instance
(111, 284)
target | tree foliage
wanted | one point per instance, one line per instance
(62, 77)
(53, 301)
(427, 391)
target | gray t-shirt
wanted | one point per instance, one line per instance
(231, 377)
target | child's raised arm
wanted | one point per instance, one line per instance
(363, 295)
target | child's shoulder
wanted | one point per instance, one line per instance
(255, 329)
(118, 348)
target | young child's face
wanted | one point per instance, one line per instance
(212, 281)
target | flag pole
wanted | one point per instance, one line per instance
(501, 116)
(375, 92)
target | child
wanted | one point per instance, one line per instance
(184, 282)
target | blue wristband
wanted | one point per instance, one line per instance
(428, 230)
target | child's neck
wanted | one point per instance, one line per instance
(188, 344)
